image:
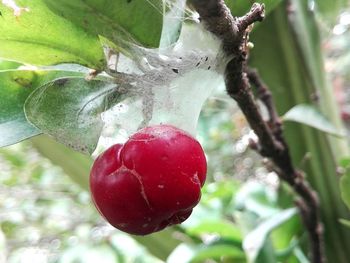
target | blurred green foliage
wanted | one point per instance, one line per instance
(46, 217)
(46, 214)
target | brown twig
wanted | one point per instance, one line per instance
(234, 32)
(265, 95)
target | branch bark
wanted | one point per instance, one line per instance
(234, 33)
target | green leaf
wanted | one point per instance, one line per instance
(300, 255)
(255, 240)
(4, 65)
(309, 115)
(220, 252)
(224, 229)
(330, 9)
(240, 7)
(222, 192)
(155, 243)
(256, 198)
(345, 222)
(130, 20)
(128, 248)
(266, 253)
(75, 165)
(38, 36)
(182, 253)
(345, 162)
(217, 252)
(286, 234)
(345, 183)
(69, 110)
(16, 86)
(287, 253)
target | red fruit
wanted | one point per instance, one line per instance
(151, 182)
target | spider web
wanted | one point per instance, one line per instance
(163, 86)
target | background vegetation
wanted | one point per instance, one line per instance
(246, 214)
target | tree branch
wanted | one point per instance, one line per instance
(265, 95)
(234, 33)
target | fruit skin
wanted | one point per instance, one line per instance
(151, 182)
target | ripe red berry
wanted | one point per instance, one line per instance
(151, 182)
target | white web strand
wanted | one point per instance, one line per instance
(164, 86)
